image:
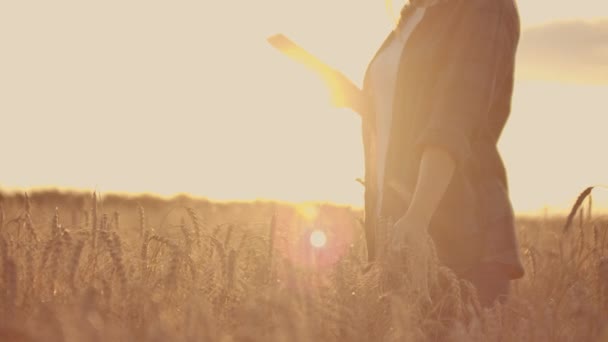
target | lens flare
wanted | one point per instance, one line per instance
(318, 239)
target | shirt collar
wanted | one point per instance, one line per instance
(412, 5)
(425, 3)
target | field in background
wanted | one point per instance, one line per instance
(80, 267)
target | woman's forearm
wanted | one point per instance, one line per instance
(436, 171)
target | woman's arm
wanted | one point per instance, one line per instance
(436, 170)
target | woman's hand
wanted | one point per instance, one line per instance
(411, 244)
(411, 241)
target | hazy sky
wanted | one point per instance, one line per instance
(186, 96)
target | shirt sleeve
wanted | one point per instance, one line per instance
(465, 87)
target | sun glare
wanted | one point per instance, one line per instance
(318, 239)
(308, 212)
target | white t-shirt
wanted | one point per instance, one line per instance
(383, 79)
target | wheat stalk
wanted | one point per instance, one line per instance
(73, 264)
(117, 220)
(579, 202)
(197, 225)
(142, 220)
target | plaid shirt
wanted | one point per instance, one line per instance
(454, 89)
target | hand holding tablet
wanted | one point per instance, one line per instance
(344, 93)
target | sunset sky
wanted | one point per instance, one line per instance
(187, 96)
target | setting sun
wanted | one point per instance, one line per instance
(307, 211)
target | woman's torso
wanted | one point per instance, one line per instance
(477, 196)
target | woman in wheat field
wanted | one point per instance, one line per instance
(435, 99)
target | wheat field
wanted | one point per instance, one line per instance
(87, 267)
